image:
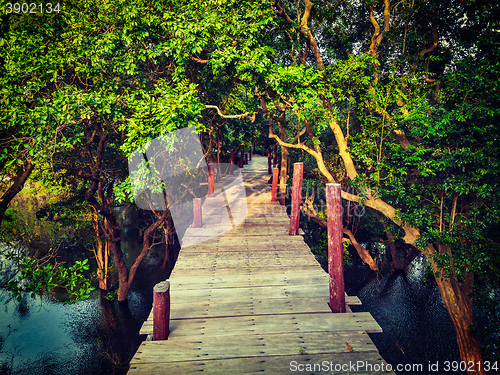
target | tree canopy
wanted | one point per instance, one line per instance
(399, 102)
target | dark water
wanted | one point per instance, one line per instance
(417, 329)
(94, 336)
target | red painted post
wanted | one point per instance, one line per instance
(298, 172)
(269, 161)
(335, 248)
(210, 182)
(161, 310)
(231, 170)
(275, 159)
(197, 213)
(241, 158)
(274, 193)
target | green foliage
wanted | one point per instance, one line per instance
(39, 278)
(42, 227)
(321, 248)
(39, 222)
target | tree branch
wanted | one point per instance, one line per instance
(363, 253)
(198, 60)
(250, 116)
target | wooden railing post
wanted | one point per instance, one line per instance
(269, 161)
(250, 154)
(161, 310)
(241, 158)
(210, 182)
(197, 223)
(231, 170)
(274, 193)
(298, 171)
(335, 248)
(275, 158)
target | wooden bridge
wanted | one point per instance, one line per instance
(254, 300)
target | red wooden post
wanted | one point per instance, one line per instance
(241, 158)
(197, 213)
(161, 310)
(210, 182)
(335, 248)
(269, 161)
(231, 168)
(298, 171)
(274, 193)
(275, 159)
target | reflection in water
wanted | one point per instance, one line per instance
(94, 336)
(416, 326)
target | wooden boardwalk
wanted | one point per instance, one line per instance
(255, 300)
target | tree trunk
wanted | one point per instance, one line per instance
(101, 253)
(396, 262)
(284, 163)
(114, 241)
(102, 257)
(17, 185)
(460, 308)
(459, 304)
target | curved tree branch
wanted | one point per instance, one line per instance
(250, 116)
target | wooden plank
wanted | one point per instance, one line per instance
(254, 307)
(238, 281)
(223, 272)
(247, 294)
(277, 323)
(372, 364)
(191, 256)
(254, 345)
(247, 262)
(245, 244)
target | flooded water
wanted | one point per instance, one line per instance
(94, 336)
(417, 329)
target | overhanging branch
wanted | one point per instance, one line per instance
(248, 115)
